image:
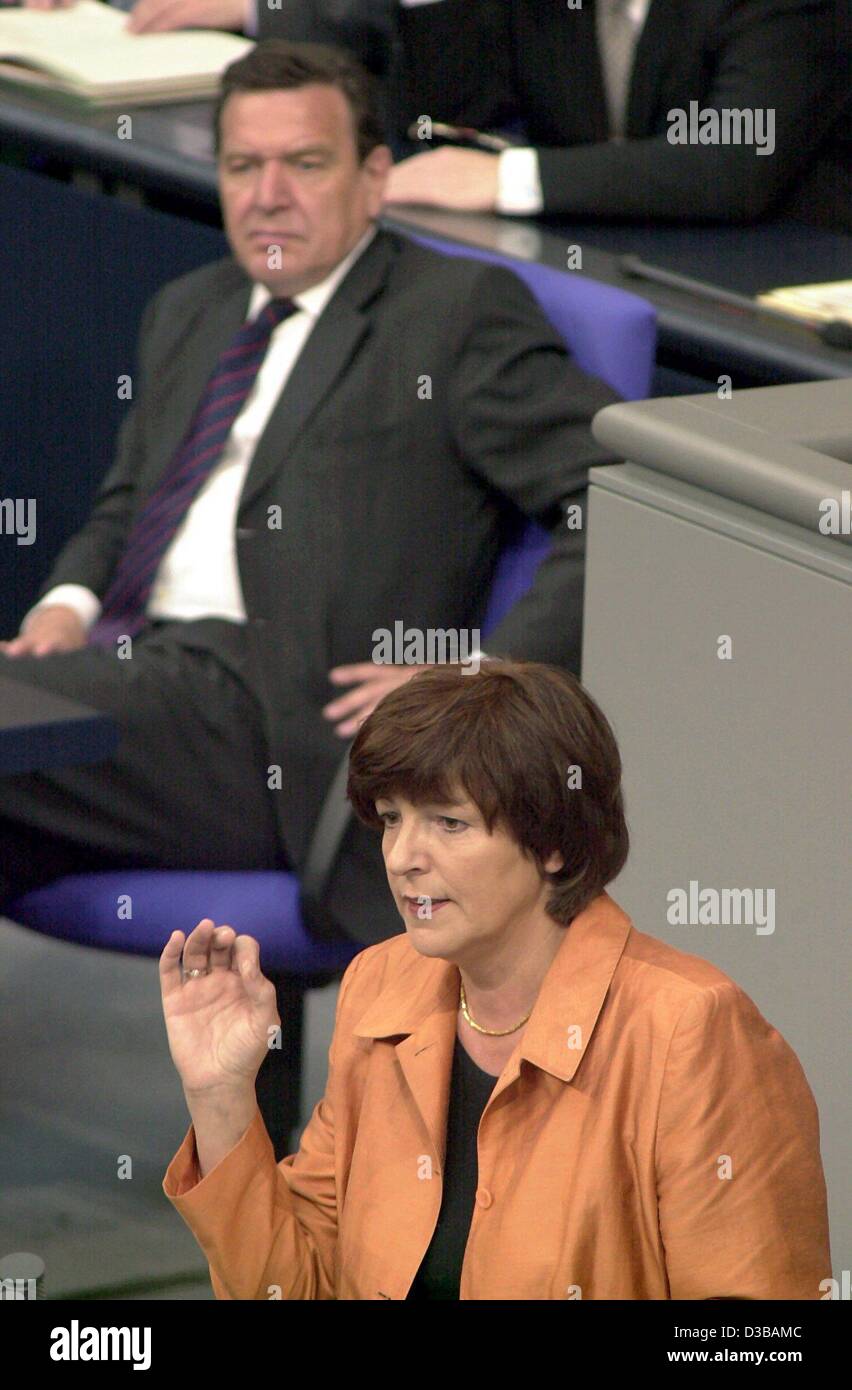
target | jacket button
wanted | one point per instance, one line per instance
(483, 1197)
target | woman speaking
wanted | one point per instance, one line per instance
(527, 1098)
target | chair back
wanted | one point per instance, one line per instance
(610, 333)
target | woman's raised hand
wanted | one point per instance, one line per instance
(219, 1023)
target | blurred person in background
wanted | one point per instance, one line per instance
(585, 96)
(283, 488)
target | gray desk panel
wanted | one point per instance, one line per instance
(735, 771)
(729, 518)
(748, 447)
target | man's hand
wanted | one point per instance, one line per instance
(465, 180)
(374, 682)
(54, 628)
(155, 16)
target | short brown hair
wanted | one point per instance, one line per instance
(277, 64)
(512, 735)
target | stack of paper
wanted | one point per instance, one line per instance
(85, 50)
(818, 302)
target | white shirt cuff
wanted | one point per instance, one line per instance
(86, 605)
(518, 182)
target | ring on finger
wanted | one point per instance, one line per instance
(193, 974)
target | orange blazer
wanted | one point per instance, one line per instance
(651, 1137)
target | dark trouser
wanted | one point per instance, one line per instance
(185, 789)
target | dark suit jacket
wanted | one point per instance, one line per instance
(486, 62)
(363, 26)
(393, 507)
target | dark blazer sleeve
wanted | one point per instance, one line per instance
(92, 553)
(439, 69)
(781, 55)
(521, 412)
(788, 56)
(362, 26)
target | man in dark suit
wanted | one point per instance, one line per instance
(331, 433)
(596, 85)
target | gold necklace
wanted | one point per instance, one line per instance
(492, 1032)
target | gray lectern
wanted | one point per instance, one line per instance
(718, 640)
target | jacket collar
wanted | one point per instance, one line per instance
(366, 275)
(423, 995)
(331, 346)
(195, 347)
(314, 299)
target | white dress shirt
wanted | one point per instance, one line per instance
(197, 576)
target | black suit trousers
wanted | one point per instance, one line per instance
(185, 789)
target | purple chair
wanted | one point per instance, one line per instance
(612, 334)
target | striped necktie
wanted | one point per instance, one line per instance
(124, 603)
(616, 43)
